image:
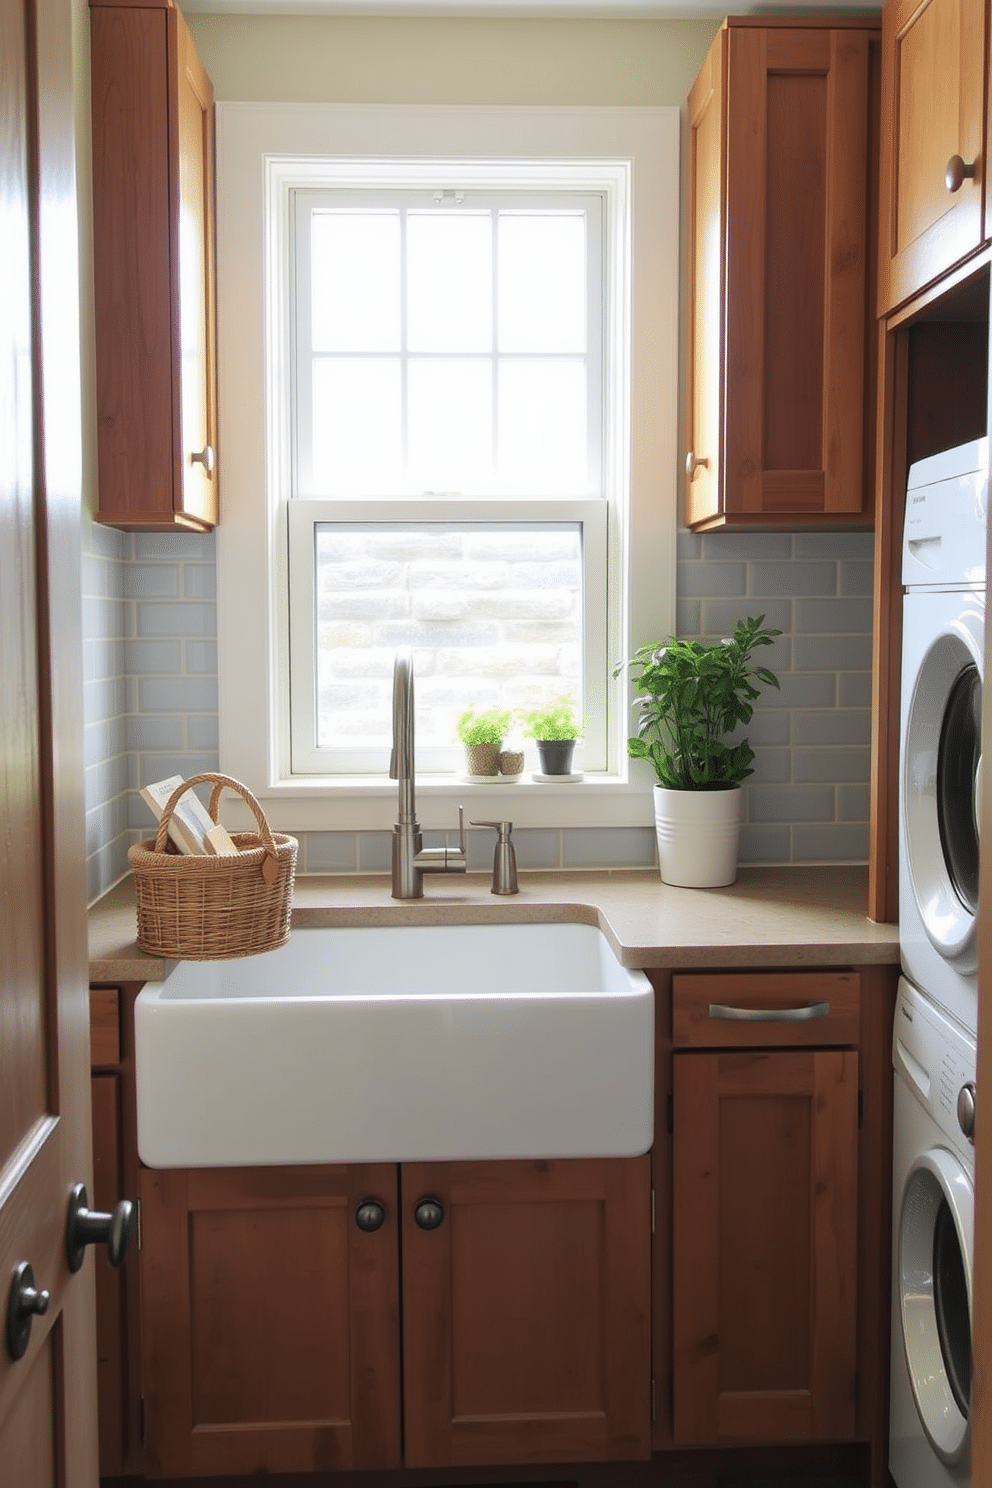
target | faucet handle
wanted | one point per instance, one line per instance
(504, 828)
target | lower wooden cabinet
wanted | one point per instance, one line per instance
(765, 1202)
(271, 1318)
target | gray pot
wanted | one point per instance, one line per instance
(555, 755)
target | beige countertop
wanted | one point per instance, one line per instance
(769, 917)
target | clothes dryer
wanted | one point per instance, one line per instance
(941, 706)
(933, 1203)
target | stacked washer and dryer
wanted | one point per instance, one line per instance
(936, 1019)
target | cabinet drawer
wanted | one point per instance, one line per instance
(105, 1027)
(728, 1010)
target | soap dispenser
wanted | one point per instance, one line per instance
(505, 860)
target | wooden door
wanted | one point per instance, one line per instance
(765, 1245)
(526, 1312)
(933, 72)
(707, 242)
(269, 1320)
(47, 1395)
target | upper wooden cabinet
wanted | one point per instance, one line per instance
(781, 145)
(153, 247)
(932, 163)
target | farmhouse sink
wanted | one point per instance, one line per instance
(393, 1043)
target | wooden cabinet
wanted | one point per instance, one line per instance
(782, 143)
(765, 1203)
(526, 1313)
(272, 1320)
(154, 270)
(933, 132)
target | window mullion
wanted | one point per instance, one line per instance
(404, 349)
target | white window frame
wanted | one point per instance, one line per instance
(259, 144)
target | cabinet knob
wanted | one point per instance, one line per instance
(957, 172)
(87, 1227)
(429, 1213)
(204, 457)
(693, 462)
(966, 1110)
(370, 1215)
(24, 1303)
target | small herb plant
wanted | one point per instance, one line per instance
(484, 725)
(554, 721)
(693, 697)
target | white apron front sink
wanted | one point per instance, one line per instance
(394, 1043)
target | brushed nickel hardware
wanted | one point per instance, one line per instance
(85, 1226)
(204, 457)
(410, 859)
(731, 1014)
(693, 463)
(25, 1303)
(505, 858)
(957, 172)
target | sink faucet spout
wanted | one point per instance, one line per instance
(410, 859)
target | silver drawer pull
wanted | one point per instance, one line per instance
(769, 1015)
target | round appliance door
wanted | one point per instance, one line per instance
(941, 757)
(935, 1274)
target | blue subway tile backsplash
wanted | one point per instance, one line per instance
(150, 674)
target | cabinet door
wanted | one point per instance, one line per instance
(196, 438)
(707, 234)
(765, 1245)
(270, 1320)
(933, 71)
(785, 266)
(526, 1312)
(153, 242)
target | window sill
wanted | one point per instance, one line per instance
(369, 803)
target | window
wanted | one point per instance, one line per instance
(451, 412)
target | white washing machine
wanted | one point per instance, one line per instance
(941, 705)
(933, 1202)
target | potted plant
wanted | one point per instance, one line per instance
(482, 731)
(693, 698)
(555, 729)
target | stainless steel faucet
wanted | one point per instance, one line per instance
(411, 860)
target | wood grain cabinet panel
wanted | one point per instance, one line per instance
(781, 143)
(154, 270)
(933, 79)
(527, 1313)
(270, 1321)
(765, 1247)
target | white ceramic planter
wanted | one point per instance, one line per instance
(698, 834)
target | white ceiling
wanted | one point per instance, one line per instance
(534, 9)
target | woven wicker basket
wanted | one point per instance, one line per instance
(197, 907)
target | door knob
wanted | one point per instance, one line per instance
(429, 1213)
(87, 1227)
(25, 1303)
(694, 462)
(370, 1215)
(204, 457)
(957, 172)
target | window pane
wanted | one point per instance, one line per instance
(450, 425)
(449, 281)
(492, 611)
(542, 281)
(542, 427)
(355, 281)
(357, 442)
